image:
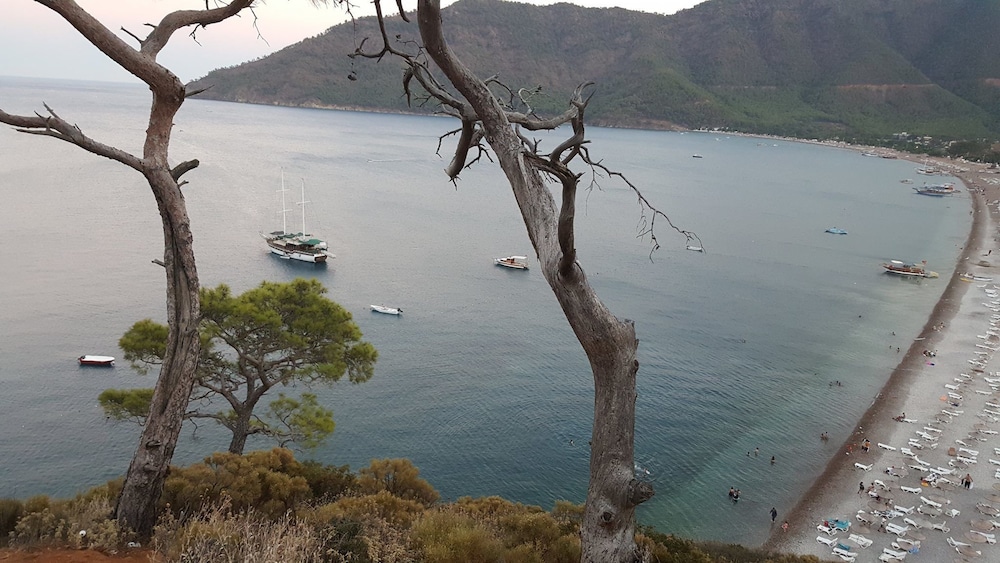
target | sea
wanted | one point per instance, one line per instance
(750, 350)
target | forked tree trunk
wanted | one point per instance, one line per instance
(608, 527)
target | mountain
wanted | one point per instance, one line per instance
(806, 68)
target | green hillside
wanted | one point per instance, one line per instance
(806, 68)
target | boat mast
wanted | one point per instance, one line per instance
(284, 211)
(303, 204)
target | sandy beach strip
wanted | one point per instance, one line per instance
(922, 386)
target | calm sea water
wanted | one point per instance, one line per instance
(481, 382)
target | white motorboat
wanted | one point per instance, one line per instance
(515, 262)
(386, 310)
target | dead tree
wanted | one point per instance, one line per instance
(136, 506)
(608, 527)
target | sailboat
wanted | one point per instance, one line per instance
(300, 246)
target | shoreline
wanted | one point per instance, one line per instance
(913, 387)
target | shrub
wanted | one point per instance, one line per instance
(399, 477)
(263, 481)
(10, 511)
(327, 482)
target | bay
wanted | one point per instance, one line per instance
(480, 382)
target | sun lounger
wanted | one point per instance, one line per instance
(929, 511)
(862, 517)
(905, 544)
(968, 460)
(929, 502)
(968, 451)
(896, 529)
(950, 386)
(952, 513)
(903, 509)
(994, 462)
(863, 466)
(940, 526)
(910, 420)
(913, 490)
(894, 553)
(994, 413)
(953, 543)
(861, 540)
(907, 452)
(981, 392)
(886, 558)
(911, 522)
(886, 447)
(990, 538)
(829, 542)
(921, 462)
(827, 530)
(844, 554)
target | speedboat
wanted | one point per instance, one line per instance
(836, 231)
(515, 262)
(386, 310)
(103, 361)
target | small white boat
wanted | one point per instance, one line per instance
(515, 262)
(694, 248)
(386, 310)
(104, 361)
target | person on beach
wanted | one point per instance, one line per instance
(784, 526)
(732, 492)
(967, 481)
(861, 487)
(756, 451)
(772, 460)
(774, 514)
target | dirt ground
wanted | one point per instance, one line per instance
(74, 556)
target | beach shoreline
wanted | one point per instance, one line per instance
(913, 387)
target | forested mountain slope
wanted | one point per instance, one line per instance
(806, 68)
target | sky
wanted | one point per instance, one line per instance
(37, 42)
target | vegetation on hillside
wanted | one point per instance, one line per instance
(803, 68)
(268, 506)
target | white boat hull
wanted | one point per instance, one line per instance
(104, 361)
(512, 262)
(386, 310)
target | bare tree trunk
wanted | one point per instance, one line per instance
(608, 527)
(136, 507)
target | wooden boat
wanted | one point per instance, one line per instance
(386, 310)
(909, 270)
(299, 246)
(103, 361)
(937, 190)
(514, 262)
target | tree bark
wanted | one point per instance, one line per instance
(136, 506)
(607, 531)
(136, 509)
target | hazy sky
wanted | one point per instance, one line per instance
(35, 41)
